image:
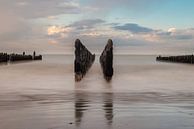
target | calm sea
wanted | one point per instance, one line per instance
(143, 94)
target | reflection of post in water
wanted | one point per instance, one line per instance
(81, 105)
(108, 107)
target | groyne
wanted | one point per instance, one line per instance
(189, 59)
(4, 57)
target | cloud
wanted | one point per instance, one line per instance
(129, 3)
(52, 30)
(32, 9)
(81, 27)
(22, 3)
(138, 6)
(153, 35)
(52, 42)
(42, 8)
(86, 24)
(133, 28)
(176, 34)
(183, 37)
(51, 17)
(172, 30)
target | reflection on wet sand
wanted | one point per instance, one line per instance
(108, 107)
(83, 100)
(3, 63)
(82, 104)
(143, 94)
(17, 62)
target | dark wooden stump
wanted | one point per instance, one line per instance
(106, 60)
(83, 60)
(4, 57)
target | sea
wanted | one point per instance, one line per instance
(143, 94)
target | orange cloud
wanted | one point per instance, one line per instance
(58, 30)
(52, 42)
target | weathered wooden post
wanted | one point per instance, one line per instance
(106, 60)
(83, 60)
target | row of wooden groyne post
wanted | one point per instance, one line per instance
(189, 59)
(4, 57)
(84, 60)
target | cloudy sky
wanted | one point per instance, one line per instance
(136, 26)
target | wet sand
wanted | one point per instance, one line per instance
(143, 94)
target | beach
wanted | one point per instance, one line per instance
(143, 94)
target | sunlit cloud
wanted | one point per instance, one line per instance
(151, 37)
(52, 30)
(51, 17)
(172, 30)
(93, 34)
(52, 42)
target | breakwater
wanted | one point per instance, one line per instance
(4, 57)
(189, 59)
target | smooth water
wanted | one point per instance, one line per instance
(143, 94)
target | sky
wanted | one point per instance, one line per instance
(135, 26)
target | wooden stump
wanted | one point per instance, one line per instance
(83, 60)
(106, 60)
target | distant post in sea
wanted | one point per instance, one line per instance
(34, 54)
